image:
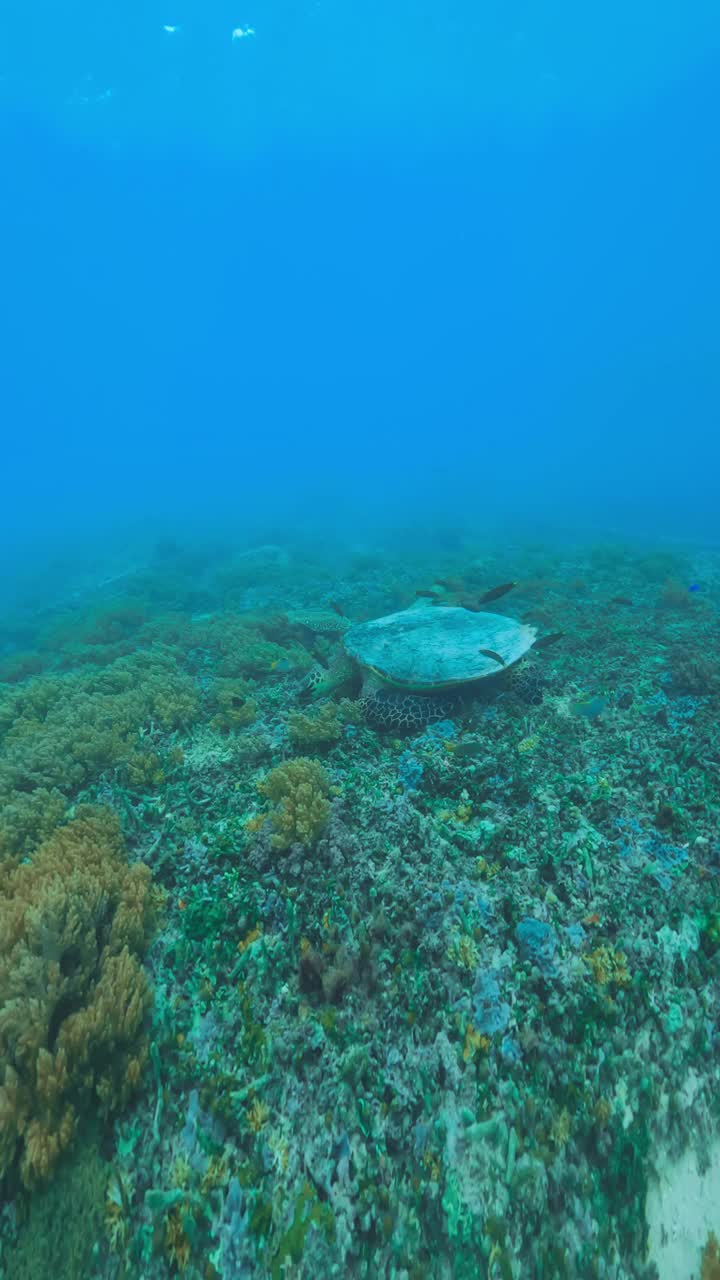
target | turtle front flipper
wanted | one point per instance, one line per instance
(321, 681)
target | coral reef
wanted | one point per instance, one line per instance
(429, 1001)
(74, 922)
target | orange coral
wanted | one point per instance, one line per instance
(73, 995)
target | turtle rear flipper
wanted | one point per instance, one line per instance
(400, 712)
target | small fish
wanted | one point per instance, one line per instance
(593, 919)
(280, 665)
(428, 595)
(694, 586)
(589, 708)
(451, 584)
(337, 607)
(543, 642)
(490, 653)
(621, 600)
(496, 592)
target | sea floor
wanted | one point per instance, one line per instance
(288, 993)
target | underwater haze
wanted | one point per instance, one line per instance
(355, 263)
(360, 640)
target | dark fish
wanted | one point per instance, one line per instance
(429, 595)
(543, 642)
(621, 600)
(496, 592)
(451, 584)
(490, 653)
(338, 608)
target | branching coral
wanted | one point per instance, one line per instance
(28, 817)
(298, 791)
(73, 995)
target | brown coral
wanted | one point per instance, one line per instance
(710, 1264)
(73, 995)
(298, 790)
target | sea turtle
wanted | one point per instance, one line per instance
(418, 664)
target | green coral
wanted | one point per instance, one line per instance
(54, 1239)
(241, 650)
(321, 725)
(309, 1212)
(28, 817)
(19, 666)
(234, 708)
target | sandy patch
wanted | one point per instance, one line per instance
(683, 1207)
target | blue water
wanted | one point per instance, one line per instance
(359, 264)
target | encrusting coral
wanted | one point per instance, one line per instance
(74, 922)
(298, 790)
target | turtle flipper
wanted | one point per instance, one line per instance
(321, 681)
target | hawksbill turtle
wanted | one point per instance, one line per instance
(418, 664)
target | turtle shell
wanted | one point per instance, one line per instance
(436, 648)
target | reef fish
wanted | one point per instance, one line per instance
(543, 642)
(490, 653)
(496, 592)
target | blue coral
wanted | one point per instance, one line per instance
(538, 943)
(410, 771)
(492, 1013)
